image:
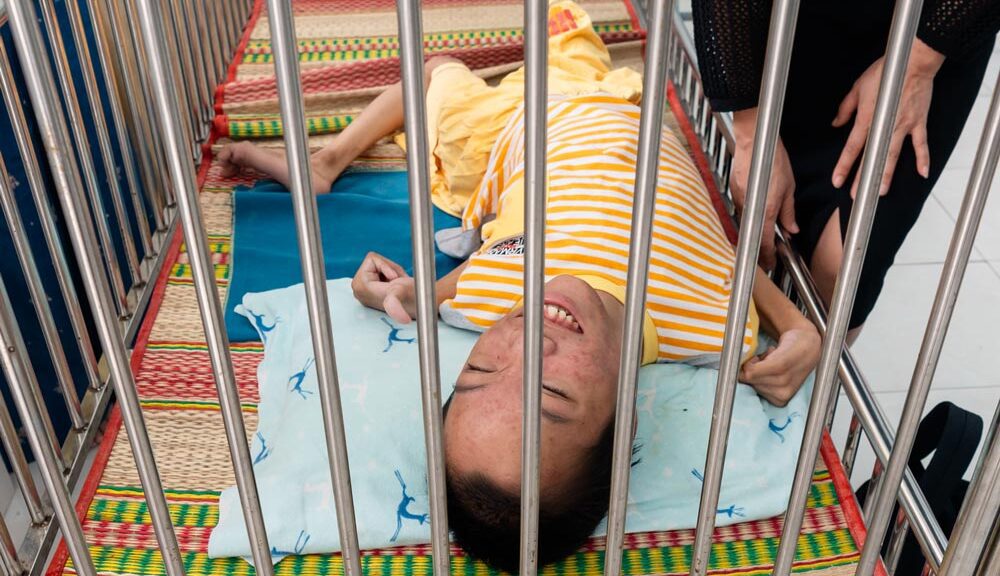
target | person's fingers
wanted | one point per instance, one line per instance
(787, 214)
(919, 137)
(847, 107)
(852, 149)
(387, 269)
(395, 309)
(895, 147)
(766, 257)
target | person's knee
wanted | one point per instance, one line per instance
(827, 257)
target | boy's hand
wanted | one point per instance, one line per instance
(778, 374)
(382, 284)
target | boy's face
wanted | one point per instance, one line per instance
(579, 380)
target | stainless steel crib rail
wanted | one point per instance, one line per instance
(137, 188)
(161, 60)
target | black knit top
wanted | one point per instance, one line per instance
(731, 36)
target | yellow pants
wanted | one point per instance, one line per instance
(465, 115)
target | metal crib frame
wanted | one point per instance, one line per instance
(161, 60)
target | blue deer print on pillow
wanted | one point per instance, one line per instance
(295, 381)
(264, 329)
(731, 511)
(394, 336)
(402, 511)
(778, 430)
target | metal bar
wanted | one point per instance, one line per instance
(203, 271)
(84, 152)
(21, 381)
(923, 522)
(127, 28)
(97, 116)
(851, 445)
(286, 64)
(905, 19)
(9, 563)
(643, 207)
(972, 530)
(422, 223)
(990, 563)
(26, 257)
(193, 26)
(220, 38)
(772, 96)
(46, 218)
(188, 36)
(897, 540)
(41, 88)
(967, 224)
(182, 64)
(126, 91)
(19, 464)
(209, 56)
(104, 137)
(535, 188)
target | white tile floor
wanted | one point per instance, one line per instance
(969, 372)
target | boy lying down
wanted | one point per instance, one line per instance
(476, 134)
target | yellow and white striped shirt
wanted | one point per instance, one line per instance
(592, 147)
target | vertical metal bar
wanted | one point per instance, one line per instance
(897, 540)
(422, 223)
(643, 205)
(905, 19)
(231, 32)
(925, 526)
(971, 533)
(21, 381)
(966, 226)
(220, 39)
(851, 445)
(208, 57)
(104, 135)
(204, 280)
(130, 137)
(26, 257)
(772, 97)
(97, 116)
(46, 219)
(198, 64)
(990, 563)
(130, 44)
(41, 87)
(19, 464)
(9, 563)
(179, 79)
(190, 47)
(535, 189)
(174, 12)
(286, 65)
(86, 159)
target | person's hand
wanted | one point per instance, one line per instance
(778, 373)
(911, 119)
(780, 206)
(383, 285)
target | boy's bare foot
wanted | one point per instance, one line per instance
(238, 156)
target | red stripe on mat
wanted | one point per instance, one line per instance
(58, 564)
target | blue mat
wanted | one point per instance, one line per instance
(365, 212)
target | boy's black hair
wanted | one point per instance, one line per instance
(486, 519)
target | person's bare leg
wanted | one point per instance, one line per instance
(826, 262)
(379, 119)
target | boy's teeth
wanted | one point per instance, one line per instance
(562, 314)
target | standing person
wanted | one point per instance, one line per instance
(836, 66)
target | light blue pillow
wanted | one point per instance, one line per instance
(380, 391)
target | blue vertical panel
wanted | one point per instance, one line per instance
(13, 275)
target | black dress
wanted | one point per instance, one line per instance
(835, 42)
